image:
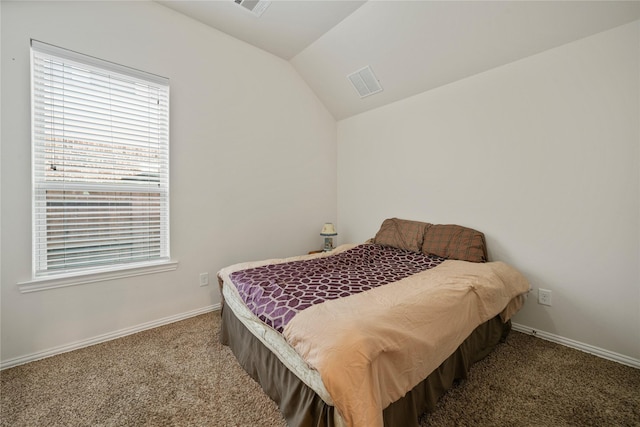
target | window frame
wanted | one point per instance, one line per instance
(67, 276)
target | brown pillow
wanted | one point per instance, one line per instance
(401, 234)
(455, 242)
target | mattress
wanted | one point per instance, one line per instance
(301, 406)
(276, 343)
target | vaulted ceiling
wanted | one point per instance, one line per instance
(411, 46)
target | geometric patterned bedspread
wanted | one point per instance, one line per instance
(275, 293)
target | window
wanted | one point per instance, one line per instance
(100, 167)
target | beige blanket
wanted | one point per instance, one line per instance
(373, 347)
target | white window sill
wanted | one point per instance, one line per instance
(44, 283)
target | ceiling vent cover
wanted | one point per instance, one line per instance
(365, 82)
(257, 7)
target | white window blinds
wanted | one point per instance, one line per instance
(100, 164)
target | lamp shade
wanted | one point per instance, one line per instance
(328, 230)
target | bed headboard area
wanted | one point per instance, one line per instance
(445, 240)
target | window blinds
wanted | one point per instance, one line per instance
(100, 163)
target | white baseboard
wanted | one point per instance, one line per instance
(105, 337)
(596, 351)
(605, 354)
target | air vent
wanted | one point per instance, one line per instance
(257, 7)
(365, 82)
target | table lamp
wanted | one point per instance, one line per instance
(328, 232)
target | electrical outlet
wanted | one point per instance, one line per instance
(544, 297)
(204, 279)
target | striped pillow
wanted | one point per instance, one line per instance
(455, 242)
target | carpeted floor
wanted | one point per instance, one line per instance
(179, 375)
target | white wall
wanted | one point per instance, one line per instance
(543, 156)
(253, 165)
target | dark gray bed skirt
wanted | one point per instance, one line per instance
(302, 407)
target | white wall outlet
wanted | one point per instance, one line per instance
(544, 297)
(204, 279)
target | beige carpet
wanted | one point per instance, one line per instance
(179, 375)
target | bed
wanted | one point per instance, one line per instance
(369, 334)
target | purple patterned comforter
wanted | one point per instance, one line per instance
(276, 292)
